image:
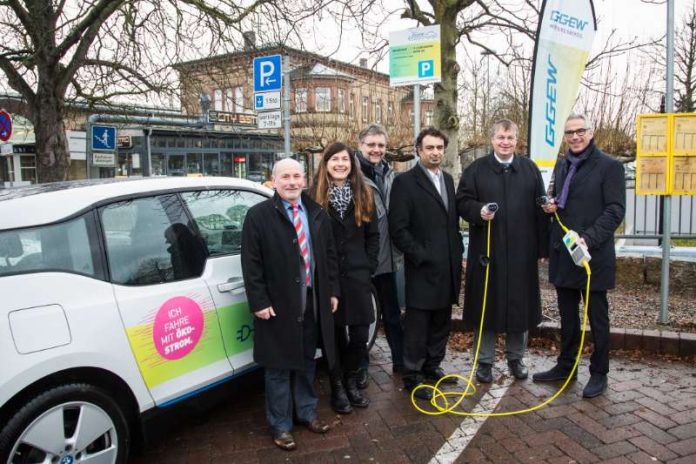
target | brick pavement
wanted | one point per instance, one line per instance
(647, 415)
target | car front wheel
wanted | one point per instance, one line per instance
(74, 423)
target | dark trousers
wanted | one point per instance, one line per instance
(425, 341)
(598, 314)
(351, 347)
(288, 387)
(385, 284)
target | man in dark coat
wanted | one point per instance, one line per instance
(590, 198)
(424, 225)
(290, 275)
(518, 239)
(380, 177)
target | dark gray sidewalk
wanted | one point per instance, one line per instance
(648, 415)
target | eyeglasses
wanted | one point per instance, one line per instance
(373, 145)
(578, 132)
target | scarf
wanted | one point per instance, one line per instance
(340, 198)
(575, 161)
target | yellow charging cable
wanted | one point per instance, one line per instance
(441, 399)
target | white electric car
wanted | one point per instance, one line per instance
(117, 297)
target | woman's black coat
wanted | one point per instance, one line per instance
(428, 235)
(519, 237)
(274, 276)
(357, 248)
(595, 207)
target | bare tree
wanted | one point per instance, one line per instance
(95, 50)
(685, 61)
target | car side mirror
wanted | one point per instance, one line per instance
(10, 245)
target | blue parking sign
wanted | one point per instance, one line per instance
(103, 138)
(268, 73)
(426, 68)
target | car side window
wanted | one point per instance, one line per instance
(148, 241)
(56, 247)
(219, 215)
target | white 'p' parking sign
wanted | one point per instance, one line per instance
(267, 73)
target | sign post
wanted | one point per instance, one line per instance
(103, 146)
(414, 59)
(5, 126)
(268, 82)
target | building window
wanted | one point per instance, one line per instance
(366, 109)
(323, 99)
(429, 118)
(390, 113)
(217, 100)
(300, 100)
(239, 100)
(351, 109)
(378, 112)
(229, 100)
(341, 100)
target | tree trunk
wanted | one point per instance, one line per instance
(446, 94)
(52, 156)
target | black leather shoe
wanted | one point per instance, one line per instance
(437, 373)
(362, 378)
(484, 373)
(355, 396)
(284, 441)
(317, 426)
(518, 369)
(425, 393)
(596, 386)
(554, 374)
(339, 400)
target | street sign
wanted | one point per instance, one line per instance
(270, 120)
(6, 149)
(5, 126)
(414, 56)
(267, 101)
(104, 160)
(103, 138)
(267, 73)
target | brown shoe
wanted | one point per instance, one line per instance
(284, 441)
(317, 426)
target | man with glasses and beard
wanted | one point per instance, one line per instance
(589, 195)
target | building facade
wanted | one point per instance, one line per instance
(330, 100)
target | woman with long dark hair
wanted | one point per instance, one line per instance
(340, 189)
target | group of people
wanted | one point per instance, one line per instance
(311, 258)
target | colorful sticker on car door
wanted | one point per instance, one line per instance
(182, 338)
(237, 327)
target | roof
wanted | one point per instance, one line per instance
(51, 202)
(277, 49)
(319, 71)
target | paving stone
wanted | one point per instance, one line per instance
(684, 447)
(615, 449)
(653, 448)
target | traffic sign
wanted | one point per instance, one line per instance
(267, 101)
(5, 126)
(103, 138)
(267, 73)
(270, 120)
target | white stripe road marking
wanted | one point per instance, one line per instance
(467, 430)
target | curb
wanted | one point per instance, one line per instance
(681, 344)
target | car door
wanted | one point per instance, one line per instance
(219, 215)
(157, 266)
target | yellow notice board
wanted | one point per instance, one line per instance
(653, 154)
(683, 168)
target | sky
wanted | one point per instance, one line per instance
(630, 18)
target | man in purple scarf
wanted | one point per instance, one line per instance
(590, 198)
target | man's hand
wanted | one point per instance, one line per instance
(334, 304)
(487, 215)
(266, 313)
(550, 207)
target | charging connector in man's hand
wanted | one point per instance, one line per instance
(577, 250)
(492, 207)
